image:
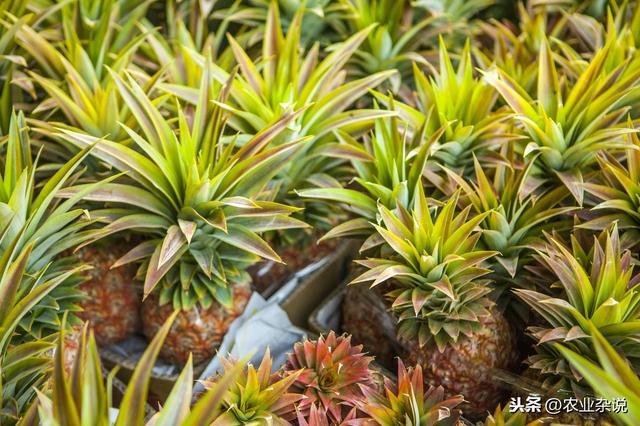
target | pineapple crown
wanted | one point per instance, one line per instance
(515, 50)
(329, 372)
(594, 289)
(619, 18)
(618, 193)
(31, 215)
(406, 402)
(257, 395)
(17, 303)
(83, 397)
(262, 92)
(402, 31)
(285, 78)
(462, 104)
(516, 214)
(196, 197)
(610, 375)
(569, 122)
(97, 36)
(388, 168)
(398, 30)
(436, 270)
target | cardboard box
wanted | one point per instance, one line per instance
(307, 295)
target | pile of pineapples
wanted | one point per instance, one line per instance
(484, 153)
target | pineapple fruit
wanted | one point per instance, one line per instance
(466, 367)
(569, 122)
(595, 288)
(112, 296)
(196, 332)
(446, 318)
(199, 224)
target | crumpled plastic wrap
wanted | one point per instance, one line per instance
(263, 324)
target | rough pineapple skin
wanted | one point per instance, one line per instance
(466, 366)
(198, 331)
(365, 317)
(112, 303)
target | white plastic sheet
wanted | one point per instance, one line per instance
(262, 325)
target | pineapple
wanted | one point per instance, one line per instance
(32, 214)
(98, 36)
(393, 204)
(194, 201)
(447, 320)
(617, 192)
(24, 366)
(331, 373)
(83, 397)
(112, 298)
(594, 288)
(571, 121)
(257, 396)
(313, 82)
(407, 403)
(516, 50)
(195, 332)
(516, 213)
(465, 106)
